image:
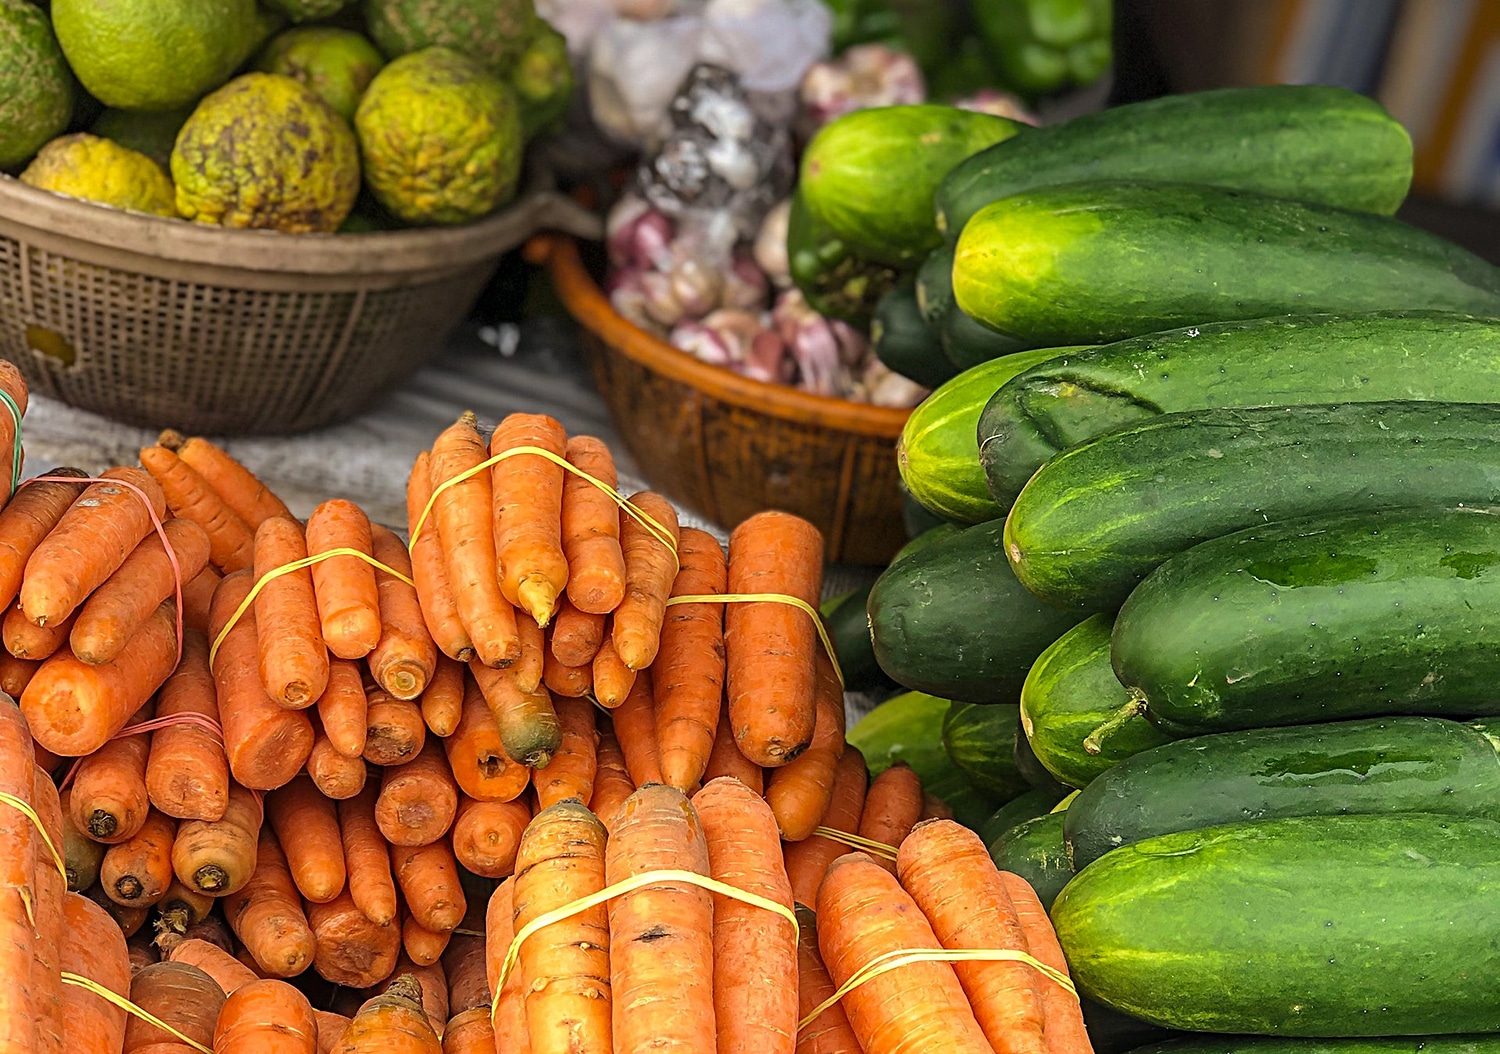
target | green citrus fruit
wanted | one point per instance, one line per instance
(493, 31)
(99, 170)
(338, 64)
(36, 89)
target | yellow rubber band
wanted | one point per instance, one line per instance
(25, 809)
(130, 1008)
(894, 960)
(769, 598)
(854, 841)
(629, 885)
(286, 569)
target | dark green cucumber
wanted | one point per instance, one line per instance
(871, 174)
(926, 538)
(1311, 926)
(836, 280)
(965, 342)
(917, 520)
(903, 342)
(1098, 517)
(1096, 262)
(1354, 615)
(953, 620)
(937, 453)
(1032, 770)
(981, 741)
(1017, 811)
(1307, 143)
(1476, 1043)
(1035, 851)
(849, 628)
(933, 286)
(1069, 694)
(1069, 399)
(1392, 765)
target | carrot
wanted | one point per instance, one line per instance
(688, 674)
(218, 857)
(564, 968)
(771, 670)
(404, 656)
(950, 875)
(864, 913)
(591, 530)
(74, 708)
(128, 919)
(139, 871)
(231, 542)
(570, 682)
(394, 729)
(266, 914)
(612, 782)
(29, 518)
(393, 1023)
(266, 1017)
(293, 654)
(93, 947)
(428, 877)
(228, 973)
(51, 887)
(726, 760)
(464, 967)
(570, 773)
(89, 543)
(528, 724)
(635, 730)
(187, 774)
(576, 634)
(470, 1032)
(509, 1015)
(337, 776)
(331, 1029)
(1065, 1029)
(613, 680)
(934, 808)
(176, 994)
(251, 500)
(527, 496)
(443, 698)
(16, 674)
(463, 517)
(750, 943)
(807, 861)
(343, 709)
(480, 764)
(893, 805)
(800, 790)
(430, 570)
(829, 1032)
(418, 800)
(650, 567)
(528, 668)
(265, 742)
(143, 953)
(423, 946)
(118, 608)
(82, 856)
(352, 950)
(24, 639)
(109, 798)
(180, 912)
(198, 599)
(15, 386)
(307, 828)
(370, 884)
(432, 988)
(347, 603)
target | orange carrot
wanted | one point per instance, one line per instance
(251, 500)
(118, 608)
(570, 773)
(266, 1017)
(371, 885)
(74, 708)
(934, 808)
(30, 516)
(807, 861)
(93, 947)
(570, 682)
(307, 828)
(800, 790)
(393, 1023)
(15, 386)
(89, 543)
(428, 877)
(187, 774)
(576, 634)
(661, 936)
(420, 945)
(650, 567)
(404, 656)
(16, 674)
(181, 912)
(218, 857)
(528, 668)
(480, 765)
(1065, 1030)
(176, 994)
(510, 1006)
(51, 887)
(418, 800)
(138, 872)
(231, 542)
(394, 729)
(331, 1028)
(892, 807)
(750, 943)
(432, 989)
(347, 603)
(198, 599)
(487, 833)
(82, 856)
(613, 680)
(443, 698)
(463, 515)
(430, 568)
(343, 709)
(591, 530)
(128, 919)
(109, 798)
(829, 1032)
(950, 875)
(265, 742)
(635, 730)
(463, 965)
(336, 775)
(143, 953)
(528, 723)
(470, 1032)
(612, 782)
(688, 674)
(863, 913)
(725, 759)
(352, 950)
(293, 655)
(24, 639)
(528, 495)
(771, 669)
(266, 915)
(228, 973)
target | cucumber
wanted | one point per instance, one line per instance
(1111, 1032)
(1477, 1043)
(916, 520)
(1097, 518)
(953, 620)
(1307, 143)
(1310, 926)
(1356, 615)
(965, 343)
(871, 174)
(926, 538)
(849, 629)
(1017, 811)
(1070, 692)
(1399, 764)
(1035, 851)
(903, 342)
(1420, 355)
(836, 280)
(938, 454)
(1096, 262)
(933, 287)
(980, 741)
(1032, 769)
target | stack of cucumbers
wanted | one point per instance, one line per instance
(1228, 531)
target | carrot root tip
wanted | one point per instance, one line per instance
(210, 878)
(102, 824)
(129, 887)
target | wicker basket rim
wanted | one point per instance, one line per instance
(587, 303)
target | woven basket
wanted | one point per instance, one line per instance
(726, 446)
(159, 322)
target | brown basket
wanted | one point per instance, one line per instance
(727, 446)
(160, 322)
